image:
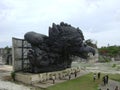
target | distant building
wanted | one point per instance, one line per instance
(117, 58)
(1, 51)
(6, 56)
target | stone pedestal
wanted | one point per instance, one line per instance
(29, 78)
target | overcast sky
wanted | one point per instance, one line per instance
(99, 20)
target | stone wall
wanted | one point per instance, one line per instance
(29, 78)
(19, 54)
(6, 56)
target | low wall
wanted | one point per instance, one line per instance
(29, 78)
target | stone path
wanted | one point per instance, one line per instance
(111, 85)
(5, 70)
(5, 85)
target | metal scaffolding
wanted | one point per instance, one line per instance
(20, 49)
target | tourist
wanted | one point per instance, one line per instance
(107, 79)
(53, 78)
(116, 88)
(59, 75)
(104, 80)
(99, 75)
(94, 77)
(69, 76)
(75, 73)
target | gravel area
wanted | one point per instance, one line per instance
(111, 85)
(5, 70)
(5, 85)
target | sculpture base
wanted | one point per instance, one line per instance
(30, 78)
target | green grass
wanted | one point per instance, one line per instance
(82, 83)
(115, 77)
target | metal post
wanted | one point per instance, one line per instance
(22, 55)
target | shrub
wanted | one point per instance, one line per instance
(114, 65)
(13, 75)
(104, 59)
(118, 68)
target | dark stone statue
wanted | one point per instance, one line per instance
(54, 52)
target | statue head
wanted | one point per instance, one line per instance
(69, 38)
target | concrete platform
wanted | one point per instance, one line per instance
(44, 80)
(30, 78)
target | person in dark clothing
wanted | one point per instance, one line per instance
(75, 73)
(104, 80)
(107, 79)
(116, 88)
(99, 75)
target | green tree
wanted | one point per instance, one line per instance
(8, 49)
(111, 51)
(90, 43)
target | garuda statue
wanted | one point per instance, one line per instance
(54, 52)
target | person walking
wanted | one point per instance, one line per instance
(116, 88)
(69, 75)
(104, 80)
(107, 79)
(99, 75)
(53, 78)
(75, 73)
(94, 77)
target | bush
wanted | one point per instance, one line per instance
(104, 59)
(114, 65)
(13, 75)
(118, 68)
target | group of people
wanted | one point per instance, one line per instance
(96, 76)
(105, 79)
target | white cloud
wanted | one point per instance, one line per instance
(94, 17)
(104, 38)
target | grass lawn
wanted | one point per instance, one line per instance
(82, 83)
(115, 77)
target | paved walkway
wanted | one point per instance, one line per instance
(5, 70)
(111, 85)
